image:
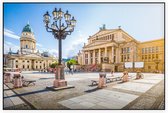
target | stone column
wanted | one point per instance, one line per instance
(94, 56)
(117, 55)
(99, 56)
(89, 60)
(105, 52)
(83, 58)
(112, 52)
(13, 66)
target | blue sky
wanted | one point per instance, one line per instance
(142, 21)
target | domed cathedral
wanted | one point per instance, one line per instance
(27, 40)
(28, 58)
(111, 48)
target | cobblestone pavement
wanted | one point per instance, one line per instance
(12, 101)
(147, 93)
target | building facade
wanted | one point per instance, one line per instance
(111, 48)
(28, 58)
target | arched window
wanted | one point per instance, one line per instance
(26, 46)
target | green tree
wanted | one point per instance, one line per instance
(71, 62)
(54, 64)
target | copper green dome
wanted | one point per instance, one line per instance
(27, 28)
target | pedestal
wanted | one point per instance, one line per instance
(102, 80)
(125, 76)
(17, 81)
(7, 77)
(59, 82)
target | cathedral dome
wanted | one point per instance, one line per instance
(27, 28)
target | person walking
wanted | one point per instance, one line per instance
(112, 73)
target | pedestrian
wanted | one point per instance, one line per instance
(112, 73)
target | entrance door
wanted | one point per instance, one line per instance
(32, 64)
(116, 68)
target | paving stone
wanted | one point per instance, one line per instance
(142, 103)
(108, 106)
(16, 100)
(75, 106)
(97, 107)
(87, 104)
(5, 87)
(154, 81)
(138, 87)
(66, 102)
(114, 100)
(9, 93)
(8, 102)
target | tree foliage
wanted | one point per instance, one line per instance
(71, 62)
(54, 64)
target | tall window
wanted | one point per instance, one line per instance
(145, 56)
(16, 66)
(124, 50)
(121, 50)
(128, 49)
(146, 50)
(128, 56)
(149, 49)
(156, 56)
(125, 57)
(23, 67)
(143, 50)
(121, 58)
(153, 56)
(114, 59)
(86, 61)
(153, 49)
(86, 55)
(91, 54)
(157, 49)
(26, 46)
(149, 56)
(28, 66)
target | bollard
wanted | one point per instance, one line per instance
(125, 76)
(17, 81)
(7, 77)
(102, 80)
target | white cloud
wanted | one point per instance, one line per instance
(76, 45)
(10, 34)
(8, 45)
(53, 52)
(40, 45)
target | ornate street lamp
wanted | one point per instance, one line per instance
(60, 29)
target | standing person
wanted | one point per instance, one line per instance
(112, 73)
(71, 70)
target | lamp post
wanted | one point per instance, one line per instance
(60, 29)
